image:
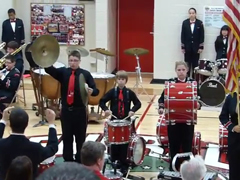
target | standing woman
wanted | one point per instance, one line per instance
(221, 43)
(180, 136)
(229, 119)
(192, 39)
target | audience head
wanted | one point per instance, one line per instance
(92, 155)
(122, 78)
(194, 169)
(18, 120)
(10, 62)
(20, 168)
(192, 13)
(67, 171)
(181, 69)
(11, 14)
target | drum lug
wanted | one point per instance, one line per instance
(113, 129)
(172, 97)
(172, 86)
(122, 138)
(172, 111)
(188, 110)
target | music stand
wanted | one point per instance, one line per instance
(139, 78)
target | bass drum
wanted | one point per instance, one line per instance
(212, 91)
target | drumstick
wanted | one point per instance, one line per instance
(126, 117)
(114, 116)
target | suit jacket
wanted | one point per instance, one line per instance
(9, 35)
(192, 41)
(229, 118)
(161, 99)
(10, 84)
(19, 63)
(221, 48)
(19, 145)
(128, 97)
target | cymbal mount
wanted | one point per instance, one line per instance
(139, 79)
(106, 64)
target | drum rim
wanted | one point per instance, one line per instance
(125, 122)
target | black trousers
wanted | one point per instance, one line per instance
(234, 155)
(119, 153)
(191, 58)
(74, 123)
(180, 138)
(3, 100)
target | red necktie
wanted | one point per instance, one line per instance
(120, 104)
(71, 84)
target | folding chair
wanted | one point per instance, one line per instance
(23, 97)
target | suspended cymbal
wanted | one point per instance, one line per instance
(136, 51)
(104, 52)
(45, 50)
(82, 51)
(83, 89)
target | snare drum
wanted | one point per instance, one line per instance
(46, 164)
(213, 91)
(223, 138)
(204, 67)
(104, 82)
(118, 131)
(222, 66)
(162, 136)
(181, 102)
(50, 87)
(111, 176)
(136, 150)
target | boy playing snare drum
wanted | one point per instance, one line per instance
(120, 108)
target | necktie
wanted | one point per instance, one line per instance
(71, 83)
(120, 104)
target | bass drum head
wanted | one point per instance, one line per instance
(212, 92)
(139, 151)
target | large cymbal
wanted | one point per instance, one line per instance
(104, 52)
(82, 51)
(83, 89)
(45, 50)
(136, 51)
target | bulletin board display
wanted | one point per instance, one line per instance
(65, 22)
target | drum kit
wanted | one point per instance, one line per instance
(210, 75)
(122, 132)
(138, 52)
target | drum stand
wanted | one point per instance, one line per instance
(139, 79)
(40, 103)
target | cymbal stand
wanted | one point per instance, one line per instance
(106, 63)
(42, 122)
(139, 79)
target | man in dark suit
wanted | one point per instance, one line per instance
(9, 82)
(11, 47)
(13, 29)
(17, 144)
(192, 40)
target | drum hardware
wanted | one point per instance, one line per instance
(45, 52)
(180, 155)
(2, 60)
(137, 52)
(83, 52)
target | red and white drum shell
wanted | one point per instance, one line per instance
(118, 131)
(136, 150)
(105, 132)
(181, 102)
(223, 138)
(111, 176)
(161, 131)
(162, 136)
(46, 164)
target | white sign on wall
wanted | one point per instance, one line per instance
(213, 16)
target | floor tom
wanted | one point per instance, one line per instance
(213, 91)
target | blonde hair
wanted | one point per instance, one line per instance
(122, 74)
(179, 63)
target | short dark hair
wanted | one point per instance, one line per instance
(13, 45)
(75, 53)
(192, 8)
(18, 120)
(11, 58)
(11, 11)
(20, 168)
(91, 152)
(68, 170)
